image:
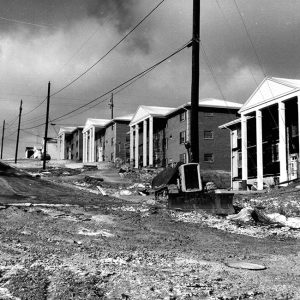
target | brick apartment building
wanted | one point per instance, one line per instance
(105, 140)
(116, 143)
(69, 143)
(158, 134)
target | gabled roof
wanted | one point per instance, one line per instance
(233, 123)
(98, 123)
(218, 103)
(145, 111)
(211, 102)
(66, 130)
(269, 89)
(126, 118)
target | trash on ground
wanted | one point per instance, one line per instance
(246, 265)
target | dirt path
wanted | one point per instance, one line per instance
(104, 248)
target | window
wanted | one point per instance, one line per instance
(239, 133)
(208, 114)
(275, 153)
(208, 157)
(112, 156)
(182, 137)
(182, 158)
(166, 141)
(76, 143)
(240, 160)
(208, 134)
(112, 141)
(182, 116)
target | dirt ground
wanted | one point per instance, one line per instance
(61, 242)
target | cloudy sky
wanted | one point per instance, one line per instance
(57, 40)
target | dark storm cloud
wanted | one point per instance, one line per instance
(119, 11)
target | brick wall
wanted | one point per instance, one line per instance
(173, 129)
(122, 149)
(219, 146)
(116, 131)
(76, 145)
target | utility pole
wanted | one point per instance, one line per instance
(111, 105)
(194, 123)
(46, 127)
(3, 129)
(17, 145)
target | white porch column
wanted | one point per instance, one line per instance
(131, 145)
(115, 142)
(259, 150)
(282, 141)
(86, 147)
(63, 146)
(90, 146)
(144, 143)
(93, 144)
(151, 141)
(136, 146)
(244, 148)
(83, 147)
(298, 101)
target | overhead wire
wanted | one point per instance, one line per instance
(110, 50)
(127, 81)
(27, 23)
(101, 58)
(120, 85)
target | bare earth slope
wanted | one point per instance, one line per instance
(98, 247)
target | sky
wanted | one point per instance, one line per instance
(56, 41)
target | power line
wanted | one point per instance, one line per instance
(211, 70)
(110, 50)
(125, 83)
(27, 23)
(100, 59)
(249, 37)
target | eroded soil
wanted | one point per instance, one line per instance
(98, 247)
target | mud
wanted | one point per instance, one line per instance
(99, 247)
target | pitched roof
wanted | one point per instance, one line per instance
(271, 88)
(99, 123)
(66, 130)
(211, 102)
(124, 118)
(144, 111)
(218, 103)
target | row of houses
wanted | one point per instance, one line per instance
(154, 136)
(257, 141)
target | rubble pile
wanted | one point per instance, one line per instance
(242, 223)
(144, 175)
(54, 171)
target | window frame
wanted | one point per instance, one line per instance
(182, 116)
(205, 137)
(205, 155)
(182, 140)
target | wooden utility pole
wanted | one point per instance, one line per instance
(194, 123)
(111, 105)
(46, 127)
(17, 145)
(2, 141)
